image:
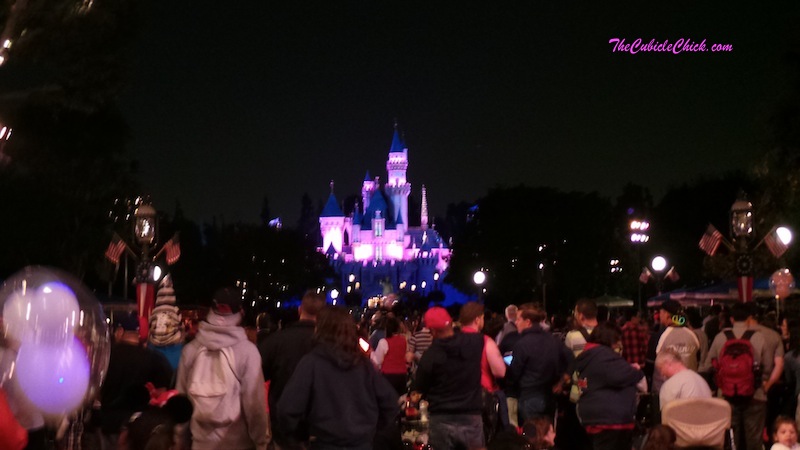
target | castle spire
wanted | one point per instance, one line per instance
(331, 186)
(424, 219)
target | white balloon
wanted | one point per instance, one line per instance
(54, 377)
(16, 314)
(54, 313)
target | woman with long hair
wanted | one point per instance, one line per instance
(336, 398)
(390, 356)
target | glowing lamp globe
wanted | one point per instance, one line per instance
(61, 336)
(659, 263)
(479, 277)
(784, 234)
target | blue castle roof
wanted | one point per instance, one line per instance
(377, 202)
(397, 143)
(332, 208)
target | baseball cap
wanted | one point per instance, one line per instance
(227, 301)
(437, 318)
(672, 306)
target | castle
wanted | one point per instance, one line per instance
(374, 250)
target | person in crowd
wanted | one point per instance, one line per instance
(634, 338)
(154, 428)
(773, 364)
(674, 335)
(510, 325)
(220, 338)
(540, 363)
(792, 371)
(585, 321)
(264, 328)
(608, 384)
(340, 400)
(378, 322)
(449, 376)
(390, 356)
(509, 440)
(493, 368)
(784, 434)
(695, 323)
(681, 382)
(711, 323)
(660, 437)
(748, 415)
(559, 327)
(13, 436)
(540, 433)
(419, 341)
(281, 353)
(130, 367)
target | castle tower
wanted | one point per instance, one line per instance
(331, 224)
(424, 215)
(367, 188)
(397, 186)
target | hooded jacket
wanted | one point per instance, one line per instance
(251, 430)
(608, 385)
(449, 374)
(336, 399)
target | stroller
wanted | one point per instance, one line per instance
(702, 422)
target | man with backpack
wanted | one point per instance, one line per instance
(220, 372)
(737, 356)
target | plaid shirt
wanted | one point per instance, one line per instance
(634, 343)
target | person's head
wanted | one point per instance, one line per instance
(669, 310)
(539, 431)
(311, 304)
(152, 429)
(740, 312)
(715, 310)
(693, 317)
(126, 327)
(226, 301)
(608, 334)
(438, 320)
(471, 315)
(632, 315)
(337, 330)
(529, 314)
(509, 440)
(660, 437)
(511, 313)
(669, 362)
(392, 326)
(785, 431)
(585, 311)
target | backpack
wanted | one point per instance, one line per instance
(214, 388)
(736, 367)
(576, 390)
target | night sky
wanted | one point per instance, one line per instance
(233, 101)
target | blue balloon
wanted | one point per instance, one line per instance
(56, 375)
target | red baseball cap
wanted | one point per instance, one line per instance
(437, 318)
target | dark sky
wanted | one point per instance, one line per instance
(232, 101)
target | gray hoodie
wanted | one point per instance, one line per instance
(251, 431)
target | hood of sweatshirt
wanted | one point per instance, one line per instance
(219, 331)
(462, 346)
(594, 353)
(338, 357)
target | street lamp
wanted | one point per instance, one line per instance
(639, 235)
(145, 225)
(741, 219)
(334, 295)
(659, 263)
(479, 278)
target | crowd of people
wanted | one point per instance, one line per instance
(467, 377)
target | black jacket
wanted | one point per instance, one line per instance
(608, 383)
(340, 402)
(449, 374)
(540, 360)
(281, 353)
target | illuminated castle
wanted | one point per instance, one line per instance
(374, 249)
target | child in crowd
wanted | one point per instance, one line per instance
(540, 433)
(660, 437)
(784, 433)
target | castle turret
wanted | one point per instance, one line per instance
(367, 188)
(397, 186)
(331, 224)
(400, 227)
(356, 227)
(423, 221)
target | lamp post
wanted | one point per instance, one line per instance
(479, 278)
(145, 227)
(639, 235)
(659, 263)
(741, 224)
(436, 281)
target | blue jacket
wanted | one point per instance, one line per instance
(608, 385)
(539, 361)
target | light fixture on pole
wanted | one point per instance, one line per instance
(659, 267)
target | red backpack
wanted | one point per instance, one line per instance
(736, 367)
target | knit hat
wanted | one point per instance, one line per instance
(437, 318)
(227, 301)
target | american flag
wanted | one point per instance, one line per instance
(173, 250)
(710, 241)
(115, 249)
(775, 244)
(672, 275)
(645, 276)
